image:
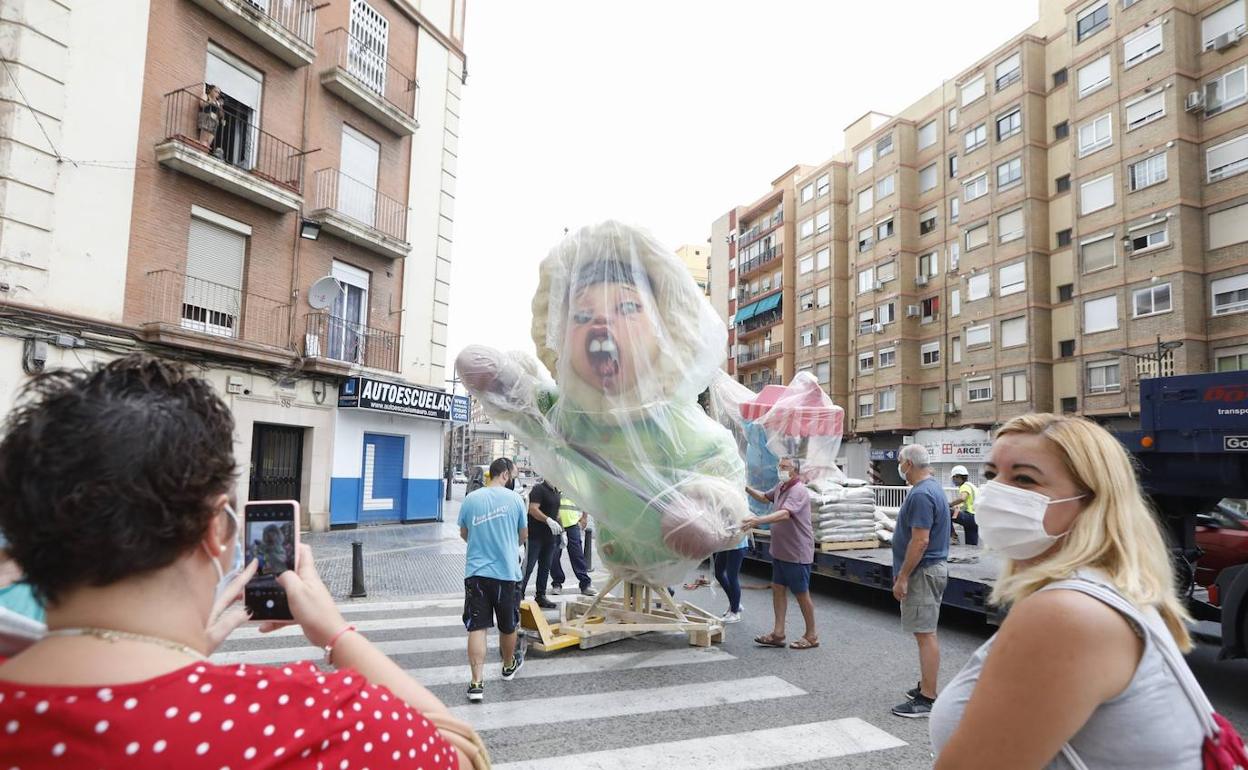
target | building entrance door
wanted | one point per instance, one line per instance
(276, 462)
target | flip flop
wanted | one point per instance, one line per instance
(767, 640)
(696, 584)
(803, 644)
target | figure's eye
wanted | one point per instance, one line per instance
(1023, 480)
(989, 475)
(629, 307)
(582, 317)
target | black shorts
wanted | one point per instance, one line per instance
(486, 599)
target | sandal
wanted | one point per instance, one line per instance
(769, 640)
(701, 581)
(804, 644)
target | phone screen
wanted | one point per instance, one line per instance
(271, 533)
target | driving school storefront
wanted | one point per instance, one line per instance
(387, 464)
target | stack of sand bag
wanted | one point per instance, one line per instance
(885, 523)
(842, 512)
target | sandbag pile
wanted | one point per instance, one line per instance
(885, 523)
(842, 513)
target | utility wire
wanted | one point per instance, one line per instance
(35, 113)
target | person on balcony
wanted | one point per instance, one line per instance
(211, 112)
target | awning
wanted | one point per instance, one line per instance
(748, 312)
(768, 303)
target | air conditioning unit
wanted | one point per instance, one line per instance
(1195, 101)
(913, 311)
(1226, 40)
(921, 280)
(951, 409)
(877, 328)
(879, 286)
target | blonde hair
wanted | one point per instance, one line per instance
(1116, 532)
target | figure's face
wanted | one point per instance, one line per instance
(612, 340)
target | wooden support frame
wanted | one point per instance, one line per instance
(642, 608)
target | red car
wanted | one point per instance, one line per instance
(1222, 534)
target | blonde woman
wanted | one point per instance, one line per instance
(1069, 681)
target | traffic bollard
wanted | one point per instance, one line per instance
(357, 570)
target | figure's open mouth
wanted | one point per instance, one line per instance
(604, 355)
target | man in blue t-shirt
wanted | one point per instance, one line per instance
(493, 523)
(920, 550)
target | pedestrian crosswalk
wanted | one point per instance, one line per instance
(692, 706)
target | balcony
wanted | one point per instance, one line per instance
(237, 157)
(760, 354)
(362, 77)
(355, 212)
(765, 258)
(752, 234)
(284, 28)
(745, 296)
(758, 323)
(332, 339)
(191, 312)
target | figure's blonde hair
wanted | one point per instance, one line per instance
(1116, 532)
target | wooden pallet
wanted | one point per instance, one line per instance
(641, 609)
(541, 634)
(826, 547)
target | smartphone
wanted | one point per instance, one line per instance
(271, 536)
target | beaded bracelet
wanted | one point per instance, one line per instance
(329, 648)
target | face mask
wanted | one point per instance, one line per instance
(1012, 520)
(236, 564)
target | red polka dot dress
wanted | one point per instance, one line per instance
(219, 717)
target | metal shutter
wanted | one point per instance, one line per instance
(214, 270)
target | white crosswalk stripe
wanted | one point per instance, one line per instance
(377, 624)
(568, 665)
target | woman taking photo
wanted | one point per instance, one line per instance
(114, 496)
(1068, 680)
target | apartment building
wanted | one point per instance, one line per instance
(1065, 216)
(697, 260)
(281, 199)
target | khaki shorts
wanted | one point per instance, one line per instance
(920, 610)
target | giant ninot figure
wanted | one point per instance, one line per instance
(630, 342)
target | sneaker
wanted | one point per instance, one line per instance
(476, 692)
(556, 590)
(918, 707)
(509, 672)
(545, 603)
(915, 691)
(588, 591)
(731, 617)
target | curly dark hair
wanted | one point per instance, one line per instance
(108, 472)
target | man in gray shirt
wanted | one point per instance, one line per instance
(792, 552)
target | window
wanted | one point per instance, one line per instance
(927, 178)
(823, 334)
(1094, 76)
(884, 146)
(1228, 226)
(886, 313)
(1228, 18)
(973, 90)
(866, 239)
(929, 264)
(1141, 45)
(1061, 130)
(1062, 183)
(823, 258)
(886, 271)
(976, 187)
(1230, 295)
(1097, 194)
(866, 280)
(866, 362)
(351, 307)
(1066, 349)
(823, 372)
(885, 186)
(823, 296)
(823, 221)
(821, 185)
(1228, 158)
(1012, 278)
(808, 337)
(1070, 405)
(1014, 387)
(1147, 172)
(1151, 300)
(1009, 173)
(930, 353)
(1065, 292)
(1226, 91)
(976, 137)
(866, 405)
(1146, 110)
(1014, 332)
(1100, 314)
(1091, 20)
(1098, 253)
(956, 344)
(888, 400)
(865, 319)
(1103, 377)
(806, 228)
(953, 166)
(1230, 359)
(979, 389)
(808, 193)
(1010, 226)
(953, 118)
(977, 236)
(805, 265)
(866, 159)
(807, 300)
(216, 251)
(928, 309)
(887, 358)
(1063, 237)
(1060, 77)
(955, 395)
(929, 400)
(866, 200)
(1009, 124)
(927, 135)
(954, 205)
(1095, 135)
(241, 88)
(1128, 3)
(884, 229)
(955, 302)
(927, 222)
(1008, 71)
(977, 336)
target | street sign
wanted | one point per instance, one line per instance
(382, 396)
(460, 409)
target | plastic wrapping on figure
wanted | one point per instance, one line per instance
(631, 342)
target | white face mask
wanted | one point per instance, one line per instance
(236, 564)
(1012, 520)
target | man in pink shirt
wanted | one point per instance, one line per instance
(792, 552)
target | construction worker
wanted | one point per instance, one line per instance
(963, 507)
(573, 521)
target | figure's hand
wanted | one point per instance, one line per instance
(555, 529)
(310, 602)
(901, 587)
(750, 523)
(700, 516)
(226, 615)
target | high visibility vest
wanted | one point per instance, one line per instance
(969, 491)
(569, 514)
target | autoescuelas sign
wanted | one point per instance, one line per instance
(381, 396)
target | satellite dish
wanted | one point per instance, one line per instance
(323, 293)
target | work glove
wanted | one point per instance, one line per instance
(555, 529)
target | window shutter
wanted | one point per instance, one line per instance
(1098, 254)
(1228, 226)
(977, 236)
(1097, 194)
(1146, 108)
(1093, 74)
(1234, 151)
(215, 254)
(1221, 21)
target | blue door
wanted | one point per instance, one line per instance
(382, 499)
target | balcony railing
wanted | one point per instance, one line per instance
(759, 354)
(770, 318)
(298, 17)
(230, 136)
(744, 295)
(754, 233)
(214, 309)
(366, 64)
(352, 198)
(329, 336)
(768, 255)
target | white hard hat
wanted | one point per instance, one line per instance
(960, 470)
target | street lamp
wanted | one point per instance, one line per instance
(1162, 349)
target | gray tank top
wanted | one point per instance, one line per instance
(1151, 724)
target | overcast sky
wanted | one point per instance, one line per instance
(667, 113)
